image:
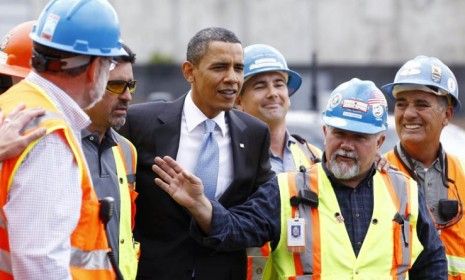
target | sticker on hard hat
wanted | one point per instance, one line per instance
(334, 101)
(410, 68)
(49, 27)
(266, 62)
(352, 115)
(378, 111)
(436, 73)
(3, 58)
(5, 41)
(378, 98)
(355, 105)
(451, 85)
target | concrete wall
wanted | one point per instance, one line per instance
(362, 32)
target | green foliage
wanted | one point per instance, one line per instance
(160, 58)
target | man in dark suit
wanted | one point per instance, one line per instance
(214, 69)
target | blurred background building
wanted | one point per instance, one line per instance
(327, 41)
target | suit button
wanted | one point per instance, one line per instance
(121, 241)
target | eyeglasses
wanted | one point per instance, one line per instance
(119, 86)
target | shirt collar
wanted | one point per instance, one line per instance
(417, 164)
(75, 116)
(194, 116)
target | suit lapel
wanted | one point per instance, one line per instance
(167, 138)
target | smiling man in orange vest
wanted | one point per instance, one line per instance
(426, 94)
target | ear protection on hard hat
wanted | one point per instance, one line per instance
(426, 71)
(88, 27)
(357, 106)
(15, 51)
(260, 58)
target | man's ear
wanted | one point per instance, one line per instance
(92, 70)
(188, 71)
(449, 115)
(380, 140)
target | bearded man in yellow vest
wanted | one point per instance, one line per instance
(426, 94)
(49, 217)
(340, 220)
(112, 161)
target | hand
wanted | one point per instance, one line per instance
(185, 188)
(13, 140)
(381, 163)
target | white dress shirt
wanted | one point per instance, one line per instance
(191, 139)
(44, 201)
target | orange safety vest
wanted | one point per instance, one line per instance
(452, 236)
(328, 252)
(89, 244)
(304, 154)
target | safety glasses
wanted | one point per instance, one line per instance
(119, 86)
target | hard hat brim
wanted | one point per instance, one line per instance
(352, 125)
(12, 70)
(388, 89)
(294, 79)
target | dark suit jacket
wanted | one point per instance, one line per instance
(162, 226)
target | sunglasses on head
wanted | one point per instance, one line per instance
(119, 86)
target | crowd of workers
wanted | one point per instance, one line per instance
(213, 185)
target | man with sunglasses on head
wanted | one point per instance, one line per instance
(112, 160)
(426, 94)
(50, 227)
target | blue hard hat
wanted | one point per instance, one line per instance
(260, 58)
(88, 27)
(357, 106)
(426, 71)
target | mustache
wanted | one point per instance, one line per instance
(349, 154)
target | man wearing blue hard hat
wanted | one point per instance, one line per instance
(330, 219)
(426, 94)
(268, 85)
(50, 227)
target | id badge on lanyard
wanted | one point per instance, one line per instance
(296, 235)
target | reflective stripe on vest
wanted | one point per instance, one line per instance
(456, 265)
(124, 156)
(303, 154)
(95, 259)
(453, 237)
(332, 260)
(88, 240)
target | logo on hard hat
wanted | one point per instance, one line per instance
(436, 73)
(378, 111)
(451, 85)
(5, 40)
(410, 68)
(266, 62)
(49, 27)
(356, 105)
(334, 101)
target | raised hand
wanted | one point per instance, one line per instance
(185, 188)
(13, 140)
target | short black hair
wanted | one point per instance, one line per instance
(130, 57)
(198, 44)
